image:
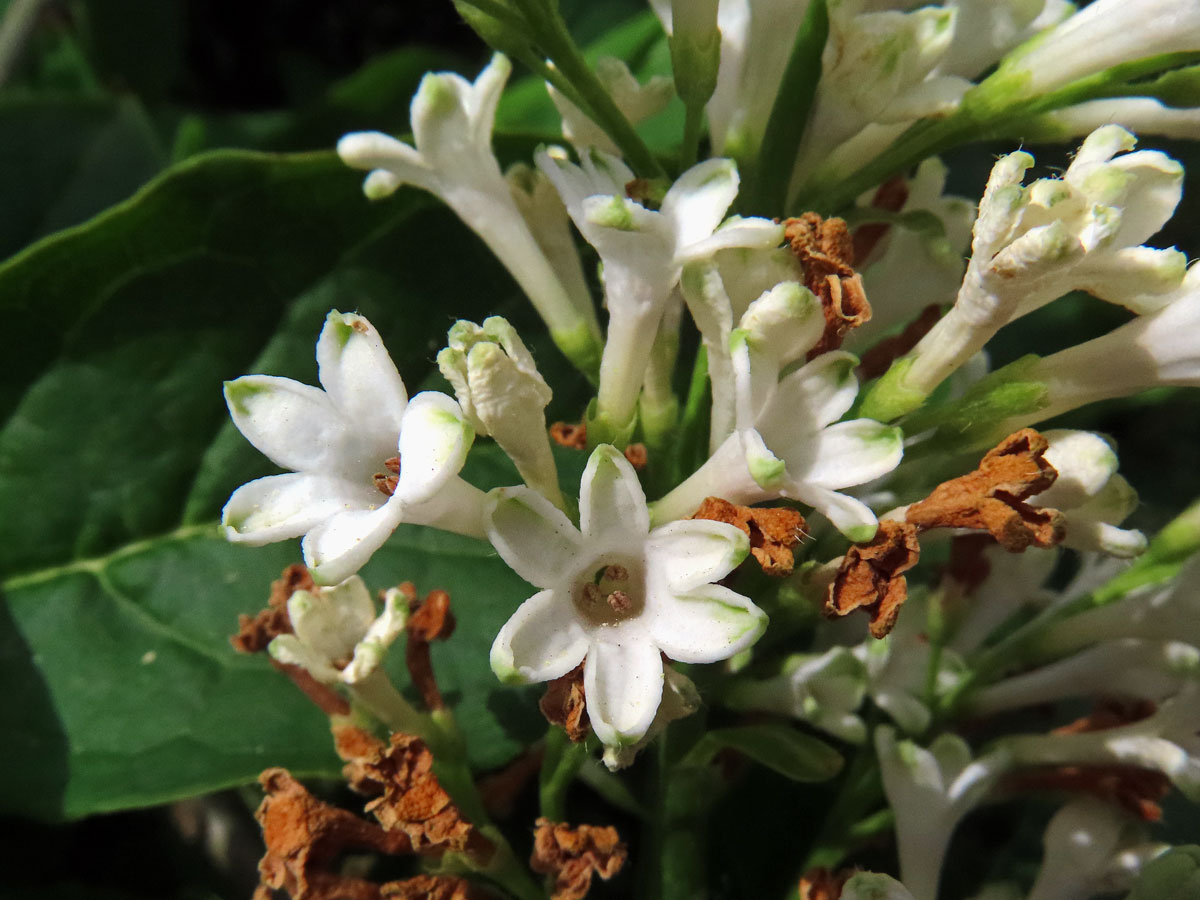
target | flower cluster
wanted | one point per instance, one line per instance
(934, 457)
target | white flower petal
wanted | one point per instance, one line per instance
(623, 684)
(373, 150)
(433, 446)
(340, 546)
(696, 203)
(687, 554)
(707, 624)
(612, 504)
(850, 516)
(286, 506)
(532, 535)
(292, 424)
(542, 640)
(330, 621)
(1151, 199)
(752, 233)
(815, 395)
(853, 452)
(359, 375)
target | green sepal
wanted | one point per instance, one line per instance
(602, 430)
(889, 398)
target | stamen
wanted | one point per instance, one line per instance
(392, 465)
(591, 593)
(386, 483)
(616, 573)
(619, 601)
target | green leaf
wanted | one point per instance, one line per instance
(64, 159)
(1173, 876)
(792, 753)
(116, 455)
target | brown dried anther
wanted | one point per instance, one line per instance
(992, 498)
(574, 437)
(826, 251)
(430, 620)
(879, 358)
(413, 802)
(304, 836)
(871, 576)
(773, 531)
(823, 884)
(564, 705)
(571, 856)
(386, 484)
(1135, 790)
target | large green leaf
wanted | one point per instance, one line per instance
(116, 456)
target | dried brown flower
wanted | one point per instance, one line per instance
(773, 531)
(871, 576)
(826, 250)
(304, 836)
(992, 498)
(429, 887)
(564, 705)
(431, 620)
(413, 802)
(571, 856)
(1135, 790)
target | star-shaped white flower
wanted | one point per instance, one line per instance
(787, 440)
(341, 443)
(643, 252)
(339, 638)
(615, 594)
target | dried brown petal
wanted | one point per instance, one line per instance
(571, 856)
(254, 634)
(304, 836)
(879, 358)
(992, 498)
(413, 802)
(431, 620)
(871, 576)
(356, 746)
(1135, 790)
(429, 887)
(564, 705)
(773, 531)
(826, 251)
(823, 884)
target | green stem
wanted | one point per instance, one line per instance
(691, 448)
(559, 766)
(789, 115)
(861, 791)
(548, 29)
(693, 126)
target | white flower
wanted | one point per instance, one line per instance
(1035, 243)
(1013, 581)
(1128, 667)
(453, 159)
(756, 43)
(825, 689)
(679, 700)
(1092, 847)
(916, 264)
(1141, 115)
(786, 442)
(503, 395)
(615, 594)
(338, 638)
(930, 790)
(1167, 613)
(1152, 350)
(874, 886)
(1101, 35)
(637, 102)
(1090, 493)
(1166, 742)
(643, 252)
(341, 443)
